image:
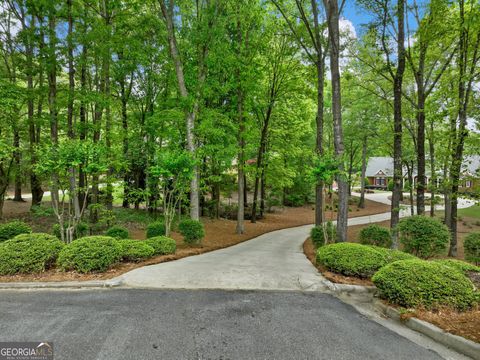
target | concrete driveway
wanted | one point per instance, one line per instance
(272, 261)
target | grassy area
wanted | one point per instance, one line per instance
(472, 212)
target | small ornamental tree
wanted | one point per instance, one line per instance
(174, 170)
(423, 236)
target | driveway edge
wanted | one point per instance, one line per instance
(61, 285)
(458, 343)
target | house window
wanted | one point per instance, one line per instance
(380, 181)
(468, 183)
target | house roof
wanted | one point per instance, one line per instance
(383, 166)
(378, 165)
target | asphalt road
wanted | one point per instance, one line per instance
(198, 324)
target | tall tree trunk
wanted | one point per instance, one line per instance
(191, 113)
(18, 172)
(82, 183)
(421, 179)
(320, 69)
(433, 174)
(361, 203)
(331, 7)
(397, 123)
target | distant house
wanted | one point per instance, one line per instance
(380, 171)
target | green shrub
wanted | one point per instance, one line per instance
(471, 246)
(423, 236)
(317, 234)
(135, 250)
(156, 228)
(351, 259)
(91, 253)
(11, 229)
(460, 265)
(390, 185)
(375, 235)
(162, 245)
(118, 232)
(412, 283)
(392, 255)
(80, 231)
(192, 231)
(29, 253)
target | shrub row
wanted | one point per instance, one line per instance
(36, 252)
(11, 229)
(357, 260)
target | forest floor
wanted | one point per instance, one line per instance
(219, 233)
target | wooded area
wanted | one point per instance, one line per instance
(173, 107)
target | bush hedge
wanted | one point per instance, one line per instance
(471, 246)
(13, 228)
(118, 232)
(91, 253)
(423, 236)
(192, 231)
(351, 259)
(412, 283)
(29, 253)
(460, 265)
(135, 250)
(375, 235)
(156, 228)
(357, 260)
(162, 245)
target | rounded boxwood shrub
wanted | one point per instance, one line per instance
(317, 236)
(351, 259)
(192, 231)
(118, 232)
(156, 228)
(162, 245)
(423, 236)
(392, 255)
(375, 235)
(471, 246)
(13, 228)
(412, 283)
(91, 253)
(460, 265)
(29, 253)
(135, 250)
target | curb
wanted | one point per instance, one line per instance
(458, 343)
(61, 285)
(349, 289)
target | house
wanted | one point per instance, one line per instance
(380, 171)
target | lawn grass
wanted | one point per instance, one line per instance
(472, 212)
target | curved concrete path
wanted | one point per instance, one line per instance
(272, 261)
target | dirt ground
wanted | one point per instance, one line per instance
(218, 234)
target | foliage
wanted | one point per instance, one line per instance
(413, 283)
(460, 265)
(162, 245)
(351, 259)
(375, 235)
(135, 250)
(29, 253)
(80, 230)
(392, 255)
(89, 254)
(118, 232)
(324, 234)
(156, 228)
(423, 236)
(471, 245)
(192, 231)
(11, 229)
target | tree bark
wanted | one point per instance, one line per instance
(361, 203)
(331, 7)
(397, 120)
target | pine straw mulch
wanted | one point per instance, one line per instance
(219, 233)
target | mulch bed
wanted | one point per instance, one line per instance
(218, 234)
